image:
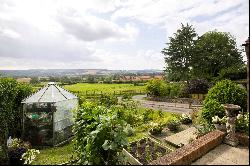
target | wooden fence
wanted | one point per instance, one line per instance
(116, 93)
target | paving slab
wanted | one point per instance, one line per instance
(182, 137)
(225, 155)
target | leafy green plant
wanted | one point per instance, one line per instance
(185, 118)
(228, 92)
(203, 129)
(108, 100)
(155, 87)
(156, 129)
(212, 108)
(11, 95)
(99, 135)
(129, 130)
(30, 155)
(16, 148)
(242, 123)
(173, 125)
(147, 115)
(126, 96)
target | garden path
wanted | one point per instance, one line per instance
(164, 106)
(182, 137)
(225, 155)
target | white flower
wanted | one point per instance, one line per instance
(215, 119)
(239, 116)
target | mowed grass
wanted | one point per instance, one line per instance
(54, 155)
(104, 88)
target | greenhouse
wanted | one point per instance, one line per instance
(48, 116)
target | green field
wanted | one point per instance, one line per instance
(104, 88)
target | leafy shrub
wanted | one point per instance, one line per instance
(175, 90)
(185, 119)
(155, 87)
(126, 96)
(108, 100)
(228, 92)
(173, 125)
(223, 92)
(155, 129)
(159, 88)
(99, 135)
(147, 115)
(197, 86)
(212, 108)
(242, 123)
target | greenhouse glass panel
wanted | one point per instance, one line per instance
(47, 115)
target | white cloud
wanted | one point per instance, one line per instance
(84, 34)
(91, 28)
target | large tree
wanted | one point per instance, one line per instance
(179, 52)
(215, 51)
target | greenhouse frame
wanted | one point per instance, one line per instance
(48, 116)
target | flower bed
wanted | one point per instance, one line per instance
(144, 151)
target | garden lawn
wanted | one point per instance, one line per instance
(54, 155)
(105, 88)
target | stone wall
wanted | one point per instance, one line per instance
(192, 151)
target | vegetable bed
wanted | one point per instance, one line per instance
(144, 151)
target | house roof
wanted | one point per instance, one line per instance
(51, 93)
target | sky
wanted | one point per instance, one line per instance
(107, 34)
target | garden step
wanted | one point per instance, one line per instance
(182, 137)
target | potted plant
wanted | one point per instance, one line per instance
(219, 123)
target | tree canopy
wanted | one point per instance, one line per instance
(215, 51)
(179, 53)
(189, 56)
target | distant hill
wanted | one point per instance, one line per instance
(71, 72)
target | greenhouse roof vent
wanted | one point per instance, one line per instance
(51, 83)
(51, 93)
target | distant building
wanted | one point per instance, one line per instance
(144, 78)
(160, 77)
(135, 78)
(23, 80)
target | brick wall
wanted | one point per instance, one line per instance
(190, 152)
